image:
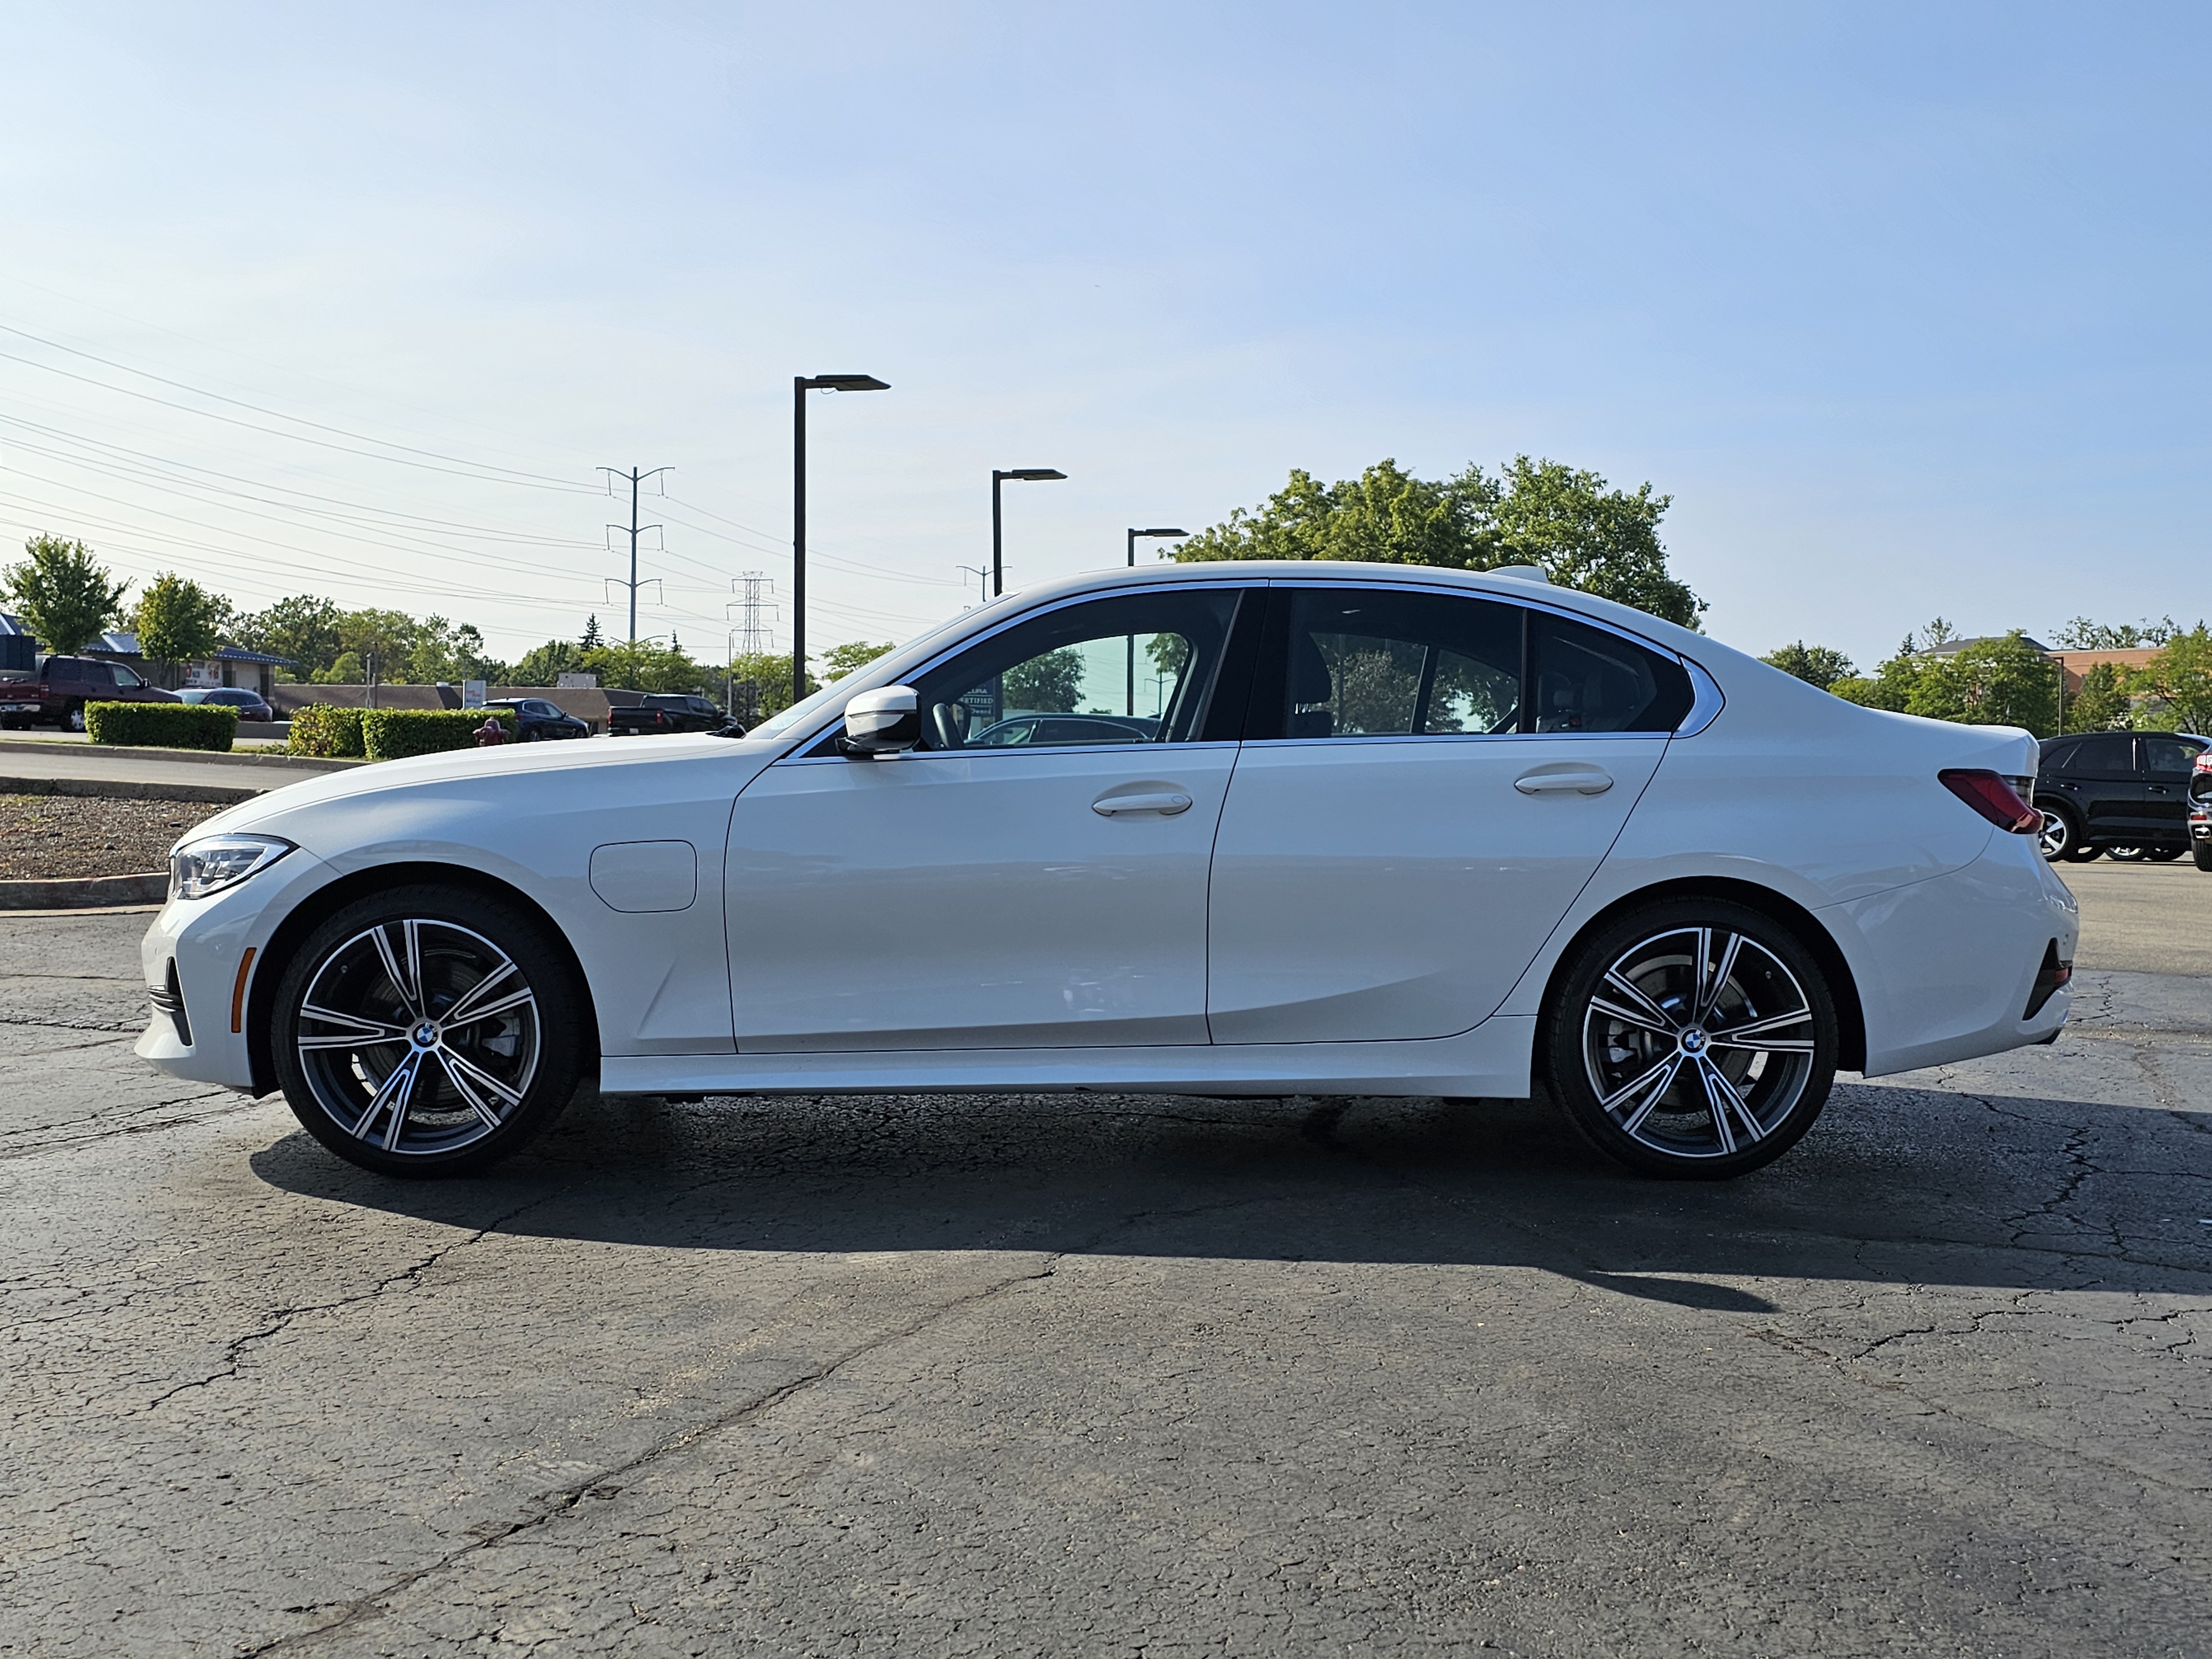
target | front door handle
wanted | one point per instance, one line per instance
(1166, 802)
(1564, 780)
(2159, 789)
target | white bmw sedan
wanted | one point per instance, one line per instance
(1230, 829)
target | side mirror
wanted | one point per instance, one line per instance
(884, 721)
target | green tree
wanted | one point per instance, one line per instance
(2181, 677)
(450, 652)
(1581, 533)
(648, 665)
(177, 620)
(2103, 703)
(2083, 635)
(1816, 665)
(841, 659)
(2000, 682)
(1048, 684)
(303, 627)
(64, 594)
(379, 643)
(545, 664)
(760, 684)
(593, 638)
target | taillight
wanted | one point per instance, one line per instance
(1990, 794)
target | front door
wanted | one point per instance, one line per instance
(2166, 767)
(1015, 882)
(1429, 781)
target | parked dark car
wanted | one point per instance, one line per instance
(56, 691)
(2124, 793)
(663, 712)
(537, 720)
(248, 703)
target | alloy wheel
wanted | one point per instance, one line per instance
(1699, 1042)
(418, 1036)
(2057, 835)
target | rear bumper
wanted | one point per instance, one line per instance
(1947, 968)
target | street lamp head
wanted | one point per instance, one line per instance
(1033, 474)
(1159, 532)
(846, 383)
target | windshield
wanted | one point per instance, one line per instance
(834, 694)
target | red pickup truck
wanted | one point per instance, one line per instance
(56, 691)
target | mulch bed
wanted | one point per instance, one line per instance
(62, 837)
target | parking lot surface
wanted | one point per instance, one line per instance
(1117, 1375)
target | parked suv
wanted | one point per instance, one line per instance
(56, 691)
(539, 722)
(2123, 792)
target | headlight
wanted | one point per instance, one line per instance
(201, 867)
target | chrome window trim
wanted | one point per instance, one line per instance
(1706, 705)
(798, 751)
(914, 757)
(1448, 736)
(1705, 701)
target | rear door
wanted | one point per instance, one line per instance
(2166, 767)
(1428, 780)
(2099, 780)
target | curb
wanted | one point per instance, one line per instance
(119, 789)
(196, 756)
(152, 888)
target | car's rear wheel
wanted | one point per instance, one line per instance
(1694, 1039)
(427, 1030)
(2204, 855)
(2124, 854)
(2165, 854)
(2060, 836)
(74, 718)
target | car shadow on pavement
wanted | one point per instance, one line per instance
(1894, 1184)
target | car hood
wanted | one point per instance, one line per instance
(325, 812)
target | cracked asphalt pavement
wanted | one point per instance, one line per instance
(1116, 1375)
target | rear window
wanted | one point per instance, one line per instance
(1588, 680)
(2111, 753)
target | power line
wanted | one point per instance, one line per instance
(274, 414)
(273, 432)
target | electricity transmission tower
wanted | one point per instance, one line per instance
(634, 529)
(748, 636)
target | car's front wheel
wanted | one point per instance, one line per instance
(1694, 1039)
(427, 1030)
(2163, 854)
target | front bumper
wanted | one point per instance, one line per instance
(192, 957)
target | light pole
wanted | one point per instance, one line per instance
(1025, 475)
(800, 386)
(982, 583)
(1131, 705)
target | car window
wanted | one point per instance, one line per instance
(1362, 662)
(1586, 679)
(99, 673)
(1150, 653)
(2171, 756)
(544, 710)
(125, 678)
(2110, 754)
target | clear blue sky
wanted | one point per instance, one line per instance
(1904, 306)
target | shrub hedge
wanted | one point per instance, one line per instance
(396, 733)
(162, 725)
(326, 730)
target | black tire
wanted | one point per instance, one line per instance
(2204, 855)
(2084, 854)
(1678, 1125)
(73, 718)
(479, 1089)
(2165, 854)
(2124, 854)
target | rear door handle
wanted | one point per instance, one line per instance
(1563, 781)
(1167, 803)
